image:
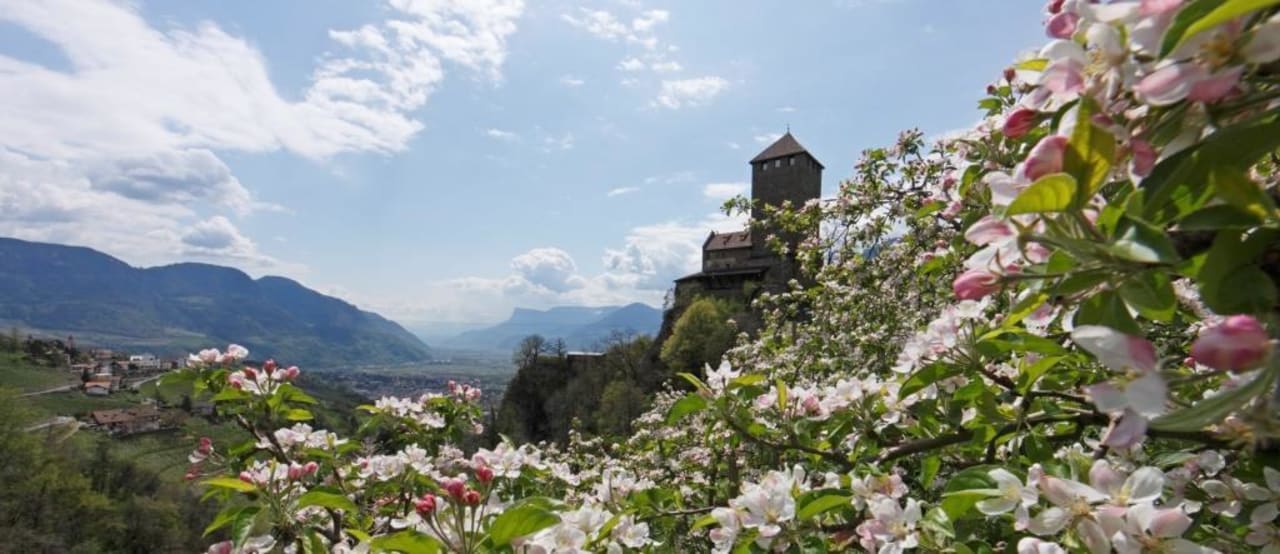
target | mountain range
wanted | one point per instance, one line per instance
(580, 327)
(174, 309)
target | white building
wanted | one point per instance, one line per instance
(145, 361)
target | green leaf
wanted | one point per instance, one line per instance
(229, 483)
(938, 524)
(1108, 310)
(290, 393)
(1151, 294)
(704, 521)
(695, 381)
(1024, 308)
(408, 542)
(1218, 216)
(1238, 190)
(1217, 407)
(1182, 22)
(689, 404)
(517, 522)
(1089, 154)
(1230, 280)
(327, 499)
(297, 414)
(1030, 373)
(1142, 242)
(1051, 193)
(782, 395)
(926, 376)
(1223, 13)
(230, 395)
(823, 504)
(929, 469)
(1037, 64)
(746, 380)
(229, 515)
(1180, 184)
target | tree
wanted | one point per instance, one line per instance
(527, 352)
(700, 337)
(620, 403)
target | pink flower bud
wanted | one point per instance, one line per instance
(1046, 157)
(250, 373)
(1158, 7)
(1169, 84)
(1010, 74)
(291, 373)
(295, 471)
(975, 284)
(310, 468)
(1144, 157)
(1216, 87)
(455, 488)
(426, 505)
(1019, 123)
(269, 366)
(206, 446)
(484, 474)
(471, 497)
(1236, 344)
(1054, 6)
(1062, 25)
(247, 477)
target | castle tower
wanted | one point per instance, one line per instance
(783, 172)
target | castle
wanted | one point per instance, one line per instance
(741, 262)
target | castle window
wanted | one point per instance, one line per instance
(777, 162)
(791, 160)
(764, 166)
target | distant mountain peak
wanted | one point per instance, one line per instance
(579, 326)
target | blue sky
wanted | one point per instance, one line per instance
(442, 161)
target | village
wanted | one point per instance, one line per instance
(116, 379)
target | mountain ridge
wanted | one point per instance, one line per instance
(176, 308)
(579, 326)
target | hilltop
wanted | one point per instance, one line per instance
(68, 290)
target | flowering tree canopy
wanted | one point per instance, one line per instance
(1053, 333)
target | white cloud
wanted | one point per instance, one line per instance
(175, 177)
(119, 151)
(787, 109)
(499, 134)
(553, 143)
(724, 191)
(653, 256)
(666, 67)
(571, 81)
(219, 238)
(767, 138)
(649, 19)
(682, 93)
(599, 23)
(549, 268)
(631, 64)
(733, 145)
(622, 190)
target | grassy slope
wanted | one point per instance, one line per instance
(163, 452)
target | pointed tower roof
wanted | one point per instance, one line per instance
(785, 146)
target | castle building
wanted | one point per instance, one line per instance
(784, 173)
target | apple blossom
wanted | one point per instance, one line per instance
(1237, 343)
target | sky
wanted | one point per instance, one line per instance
(444, 161)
